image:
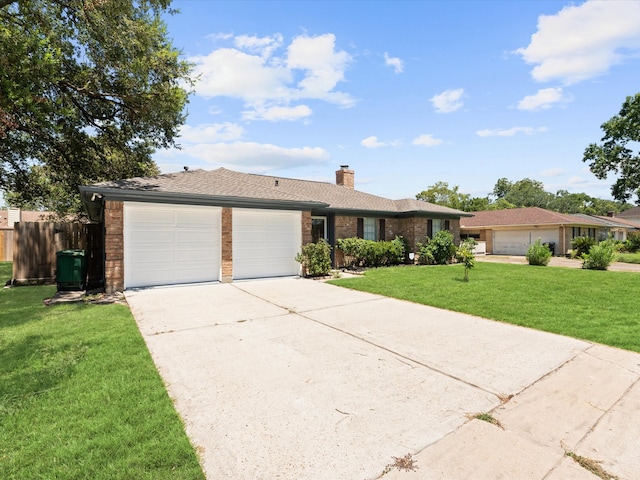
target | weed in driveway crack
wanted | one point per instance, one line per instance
(487, 417)
(591, 465)
(406, 463)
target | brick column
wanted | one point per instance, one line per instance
(306, 228)
(227, 244)
(113, 246)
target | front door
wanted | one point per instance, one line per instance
(318, 229)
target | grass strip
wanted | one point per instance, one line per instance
(597, 306)
(80, 396)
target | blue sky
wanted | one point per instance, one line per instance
(407, 93)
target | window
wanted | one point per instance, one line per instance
(370, 229)
(366, 228)
(318, 229)
(435, 225)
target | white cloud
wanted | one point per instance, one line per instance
(273, 114)
(543, 99)
(553, 172)
(249, 156)
(211, 132)
(373, 142)
(263, 46)
(578, 181)
(426, 140)
(584, 41)
(448, 101)
(268, 78)
(395, 62)
(510, 132)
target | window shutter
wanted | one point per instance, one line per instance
(446, 225)
(360, 228)
(429, 228)
(381, 225)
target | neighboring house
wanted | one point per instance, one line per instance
(632, 214)
(222, 225)
(512, 231)
(612, 227)
(14, 215)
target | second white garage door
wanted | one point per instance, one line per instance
(265, 243)
(170, 244)
(517, 242)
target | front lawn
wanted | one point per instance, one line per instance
(598, 306)
(80, 396)
(628, 257)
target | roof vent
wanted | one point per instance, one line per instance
(277, 182)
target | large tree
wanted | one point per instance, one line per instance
(89, 89)
(616, 154)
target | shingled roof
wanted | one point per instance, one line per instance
(523, 217)
(230, 188)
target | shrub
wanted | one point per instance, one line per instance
(368, 253)
(632, 243)
(581, 246)
(439, 250)
(600, 256)
(538, 254)
(315, 258)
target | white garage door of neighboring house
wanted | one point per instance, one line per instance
(265, 243)
(517, 242)
(170, 244)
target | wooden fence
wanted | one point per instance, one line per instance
(35, 245)
(6, 244)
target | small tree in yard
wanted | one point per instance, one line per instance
(315, 258)
(538, 254)
(464, 254)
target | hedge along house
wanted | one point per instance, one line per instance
(222, 225)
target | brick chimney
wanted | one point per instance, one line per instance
(345, 177)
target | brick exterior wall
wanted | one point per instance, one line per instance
(306, 228)
(346, 227)
(227, 244)
(113, 246)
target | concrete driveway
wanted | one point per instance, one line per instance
(297, 379)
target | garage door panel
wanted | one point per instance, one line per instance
(168, 244)
(265, 243)
(517, 242)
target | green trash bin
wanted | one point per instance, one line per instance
(71, 269)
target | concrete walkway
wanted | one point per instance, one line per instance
(297, 379)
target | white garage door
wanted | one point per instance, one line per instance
(517, 242)
(169, 244)
(265, 243)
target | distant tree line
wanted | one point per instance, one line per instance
(523, 193)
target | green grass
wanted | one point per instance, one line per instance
(598, 306)
(628, 257)
(80, 397)
(6, 272)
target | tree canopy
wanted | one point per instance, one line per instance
(616, 155)
(89, 89)
(522, 193)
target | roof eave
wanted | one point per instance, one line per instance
(91, 194)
